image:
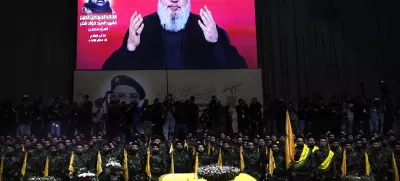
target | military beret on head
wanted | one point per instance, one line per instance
(128, 81)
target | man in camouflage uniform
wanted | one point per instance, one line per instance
(204, 158)
(320, 155)
(229, 157)
(35, 161)
(57, 163)
(12, 164)
(280, 172)
(304, 171)
(158, 162)
(81, 162)
(182, 159)
(396, 152)
(354, 161)
(136, 162)
(252, 161)
(106, 156)
(379, 161)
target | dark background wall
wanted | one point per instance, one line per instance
(330, 46)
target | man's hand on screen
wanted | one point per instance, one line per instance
(135, 29)
(208, 25)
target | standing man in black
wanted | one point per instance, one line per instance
(241, 111)
(192, 112)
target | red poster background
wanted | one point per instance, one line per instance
(237, 17)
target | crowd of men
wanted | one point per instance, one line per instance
(112, 125)
(317, 158)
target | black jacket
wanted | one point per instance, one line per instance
(197, 53)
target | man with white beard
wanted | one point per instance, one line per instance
(174, 38)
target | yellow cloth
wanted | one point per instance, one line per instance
(147, 169)
(271, 162)
(1, 168)
(191, 177)
(171, 152)
(46, 168)
(126, 173)
(367, 165)
(289, 143)
(241, 159)
(219, 158)
(343, 168)
(325, 164)
(315, 149)
(196, 163)
(395, 170)
(99, 168)
(71, 168)
(23, 169)
(303, 157)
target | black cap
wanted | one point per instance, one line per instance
(128, 81)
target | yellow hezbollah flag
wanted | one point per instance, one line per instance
(23, 170)
(219, 158)
(1, 168)
(271, 162)
(289, 143)
(344, 164)
(171, 152)
(196, 164)
(46, 168)
(148, 172)
(367, 165)
(71, 164)
(241, 159)
(99, 168)
(395, 170)
(126, 173)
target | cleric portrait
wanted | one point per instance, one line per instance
(175, 38)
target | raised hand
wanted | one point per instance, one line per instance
(135, 29)
(208, 25)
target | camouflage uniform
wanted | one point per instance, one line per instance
(81, 164)
(204, 158)
(35, 163)
(303, 172)
(252, 163)
(12, 166)
(136, 165)
(280, 172)
(229, 157)
(328, 174)
(182, 162)
(379, 163)
(355, 163)
(158, 165)
(105, 157)
(57, 165)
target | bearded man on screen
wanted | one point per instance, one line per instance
(175, 38)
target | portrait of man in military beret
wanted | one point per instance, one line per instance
(126, 89)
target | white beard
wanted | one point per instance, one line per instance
(174, 21)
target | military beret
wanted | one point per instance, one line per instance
(128, 81)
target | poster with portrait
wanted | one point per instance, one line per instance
(164, 34)
(127, 86)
